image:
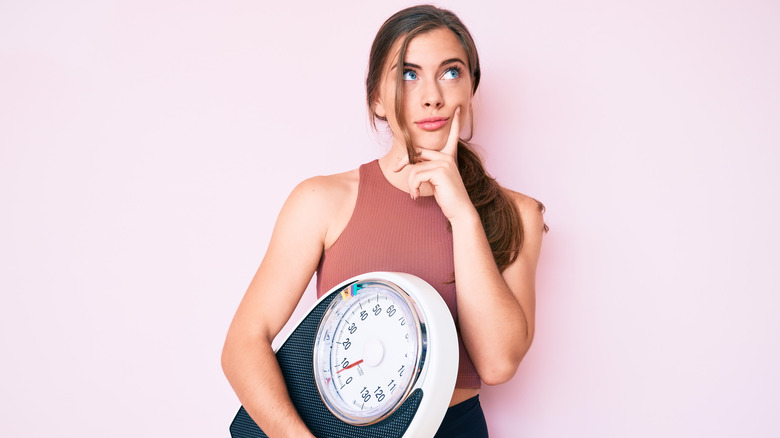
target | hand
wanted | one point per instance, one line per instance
(440, 170)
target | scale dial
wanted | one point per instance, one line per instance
(369, 350)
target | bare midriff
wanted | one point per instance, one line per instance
(463, 394)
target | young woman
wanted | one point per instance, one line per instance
(427, 208)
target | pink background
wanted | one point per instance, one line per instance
(147, 146)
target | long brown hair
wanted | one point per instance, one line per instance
(497, 209)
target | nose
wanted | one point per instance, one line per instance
(432, 96)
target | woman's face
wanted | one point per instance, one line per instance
(436, 82)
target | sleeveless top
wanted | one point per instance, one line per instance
(389, 231)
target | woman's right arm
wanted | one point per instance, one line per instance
(292, 257)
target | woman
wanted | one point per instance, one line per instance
(427, 208)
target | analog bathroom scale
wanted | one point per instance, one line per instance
(376, 356)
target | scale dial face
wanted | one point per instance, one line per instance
(369, 350)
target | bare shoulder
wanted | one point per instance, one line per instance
(531, 212)
(327, 189)
(327, 202)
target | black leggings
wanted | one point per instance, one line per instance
(464, 420)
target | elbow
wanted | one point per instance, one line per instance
(242, 351)
(498, 374)
(231, 355)
(226, 360)
(503, 369)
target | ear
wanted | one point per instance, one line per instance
(379, 108)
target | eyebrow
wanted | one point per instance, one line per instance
(443, 63)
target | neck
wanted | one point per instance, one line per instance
(400, 179)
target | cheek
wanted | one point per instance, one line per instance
(461, 97)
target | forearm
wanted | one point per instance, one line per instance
(493, 322)
(252, 370)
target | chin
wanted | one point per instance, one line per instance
(431, 142)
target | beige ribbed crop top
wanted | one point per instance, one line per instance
(389, 231)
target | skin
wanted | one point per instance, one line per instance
(495, 310)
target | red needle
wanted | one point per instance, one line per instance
(350, 366)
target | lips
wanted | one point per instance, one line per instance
(432, 123)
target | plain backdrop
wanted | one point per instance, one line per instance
(146, 148)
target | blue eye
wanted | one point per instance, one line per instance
(452, 73)
(410, 75)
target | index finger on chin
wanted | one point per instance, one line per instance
(451, 147)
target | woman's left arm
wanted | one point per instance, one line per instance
(495, 309)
